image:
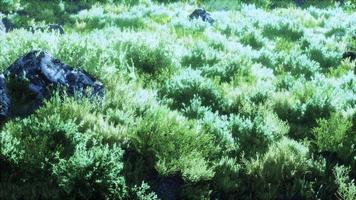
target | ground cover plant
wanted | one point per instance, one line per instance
(258, 104)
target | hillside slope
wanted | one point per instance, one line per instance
(259, 104)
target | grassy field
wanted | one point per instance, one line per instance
(260, 104)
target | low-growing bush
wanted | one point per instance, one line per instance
(324, 51)
(219, 126)
(304, 107)
(97, 173)
(190, 84)
(191, 110)
(172, 144)
(346, 187)
(228, 69)
(256, 133)
(9, 5)
(300, 65)
(143, 192)
(200, 55)
(327, 59)
(267, 58)
(150, 58)
(253, 39)
(97, 17)
(285, 171)
(56, 151)
(227, 178)
(284, 28)
(335, 136)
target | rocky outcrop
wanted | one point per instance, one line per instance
(6, 25)
(349, 55)
(35, 76)
(2, 27)
(299, 2)
(4, 99)
(201, 14)
(168, 187)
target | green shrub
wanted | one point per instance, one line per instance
(308, 102)
(98, 17)
(256, 133)
(248, 71)
(219, 126)
(327, 59)
(195, 109)
(9, 5)
(283, 28)
(335, 135)
(97, 173)
(190, 84)
(172, 144)
(108, 1)
(229, 69)
(286, 171)
(200, 55)
(254, 39)
(267, 58)
(196, 191)
(95, 53)
(346, 187)
(300, 65)
(143, 192)
(55, 150)
(269, 4)
(227, 178)
(237, 4)
(149, 58)
(324, 51)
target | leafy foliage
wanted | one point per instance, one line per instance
(286, 169)
(347, 188)
(9, 5)
(258, 105)
(190, 84)
(53, 149)
(171, 145)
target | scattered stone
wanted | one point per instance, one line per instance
(2, 27)
(350, 55)
(8, 24)
(5, 25)
(4, 99)
(35, 76)
(50, 27)
(168, 187)
(299, 2)
(202, 14)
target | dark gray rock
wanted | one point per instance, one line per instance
(299, 2)
(168, 187)
(6, 24)
(349, 55)
(56, 27)
(4, 99)
(35, 76)
(2, 27)
(201, 14)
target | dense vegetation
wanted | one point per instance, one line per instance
(258, 105)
